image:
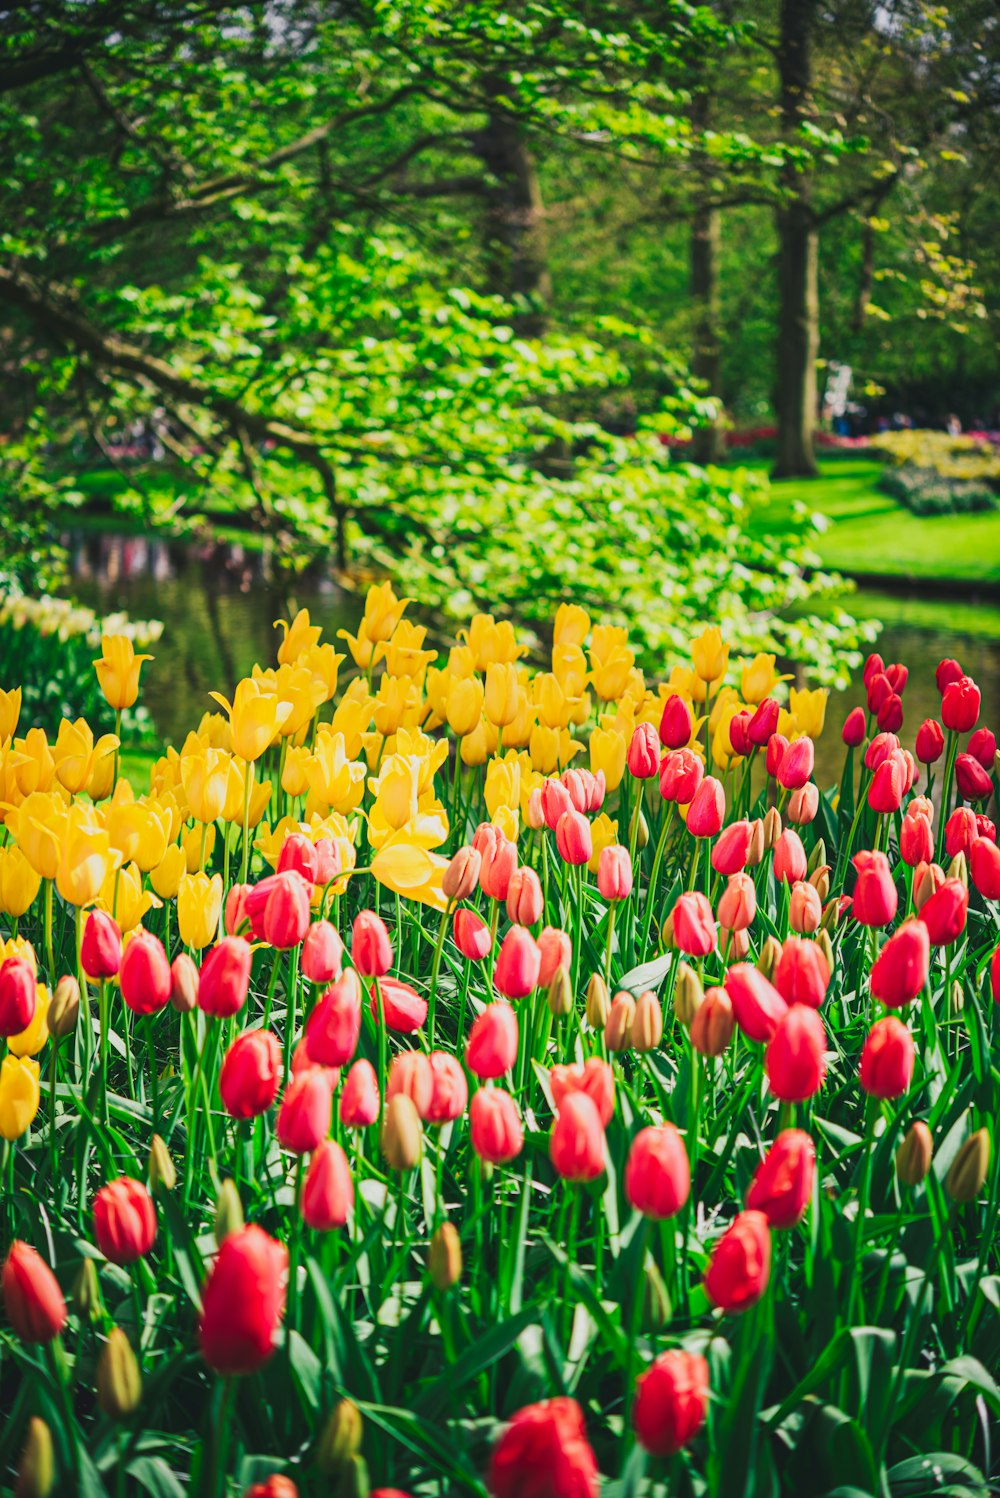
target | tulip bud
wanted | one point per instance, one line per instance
(656, 1307)
(817, 857)
(823, 941)
(340, 1439)
(184, 983)
(598, 1002)
(353, 1479)
(756, 850)
(968, 1171)
(646, 1029)
(927, 880)
(914, 1155)
(119, 1382)
(959, 868)
(161, 1167)
(36, 1469)
(770, 955)
(688, 994)
(638, 829)
(820, 881)
(444, 1259)
(617, 1030)
(402, 1134)
(714, 1024)
(831, 915)
(667, 933)
(228, 1212)
(64, 1009)
(461, 878)
(86, 1297)
(956, 998)
(561, 992)
(772, 828)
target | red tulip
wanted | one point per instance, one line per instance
(797, 764)
(681, 773)
(984, 866)
(573, 838)
(287, 912)
(900, 969)
(676, 723)
(707, 809)
(32, 1298)
(930, 741)
(882, 747)
(544, 1453)
(782, 1185)
(731, 851)
(101, 950)
(694, 924)
(243, 1302)
(404, 1009)
(898, 677)
(874, 666)
(890, 713)
(359, 1097)
(18, 996)
(234, 913)
(614, 873)
(556, 802)
(594, 1077)
(974, 784)
(738, 903)
(250, 1074)
(298, 853)
(960, 831)
(757, 1004)
(879, 691)
(145, 977)
(671, 1402)
(491, 1048)
(887, 1059)
(875, 899)
(764, 722)
(740, 1266)
(224, 978)
(739, 732)
(802, 973)
(472, 935)
(576, 1141)
(495, 1126)
(944, 913)
(524, 897)
(328, 1189)
(794, 1062)
(555, 951)
(803, 804)
(853, 731)
(322, 953)
(790, 861)
(657, 1173)
(333, 1027)
(947, 672)
(450, 1091)
(983, 747)
(306, 1111)
(960, 705)
(888, 785)
(518, 964)
(499, 859)
(776, 746)
(805, 909)
(644, 752)
(124, 1220)
(916, 840)
(410, 1073)
(371, 949)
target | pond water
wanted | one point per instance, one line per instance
(218, 603)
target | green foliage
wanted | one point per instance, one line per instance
(925, 491)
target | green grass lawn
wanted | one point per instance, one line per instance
(870, 535)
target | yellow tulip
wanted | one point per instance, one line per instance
(166, 877)
(118, 670)
(403, 653)
(758, 678)
(503, 783)
(214, 732)
(362, 648)
(205, 778)
(19, 882)
(352, 716)
(554, 704)
(411, 871)
(199, 904)
(572, 625)
(611, 660)
(710, 654)
(298, 637)
(294, 781)
(503, 693)
(383, 611)
(75, 754)
(323, 664)
(198, 844)
(431, 754)
(37, 828)
(138, 830)
(808, 710)
(474, 746)
(728, 699)
(102, 778)
(35, 769)
(398, 701)
(464, 705)
(20, 1095)
(334, 778)
(255, 717)
(19, 946)
(509, 822)
(491, 643)
(544, 749)
(85, 855)
(569, 667)
(10, 711)
(603, 834)
(33, 1038)
(123, 897)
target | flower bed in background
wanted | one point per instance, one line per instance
(504, 1082)
(936, 473)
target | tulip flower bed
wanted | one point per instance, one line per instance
(477, 1080)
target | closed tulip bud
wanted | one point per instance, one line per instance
(984, 866)
(960, 703)
(959, 869)
(656, 1307)
(803, 804)
(224, 979)
(556, 801)
(101, 949)
(853, 731)
(146, 979)
(956, 998)
(944, 914)
(576, 1141)
(359, 1097)
(18, 996)
(927, 879)
(64, 1009)
(322, 953)
(598, 1002)
(820, 881)
(968, 1171)
(689, 994)
(444, 1257)
(983, 747)
(805, 908)
(782, 1186)
(574, 840)
(340, 1439)
(243, 1302)
(646, 1030)
(502, 693)
(732, 848)
(402, 1133)
(794, 1061)
(758, 1005)
(826, 946)
(560, 994)
(772, 828)
(306, 1111)
(739, 946)
(450, 1090)
(518, 964)
(915, 1153)
(638, 829)
(974, 783)
(328, 1189)
(757, 849)
(184, 982)
(900, 970)
(667, 934)
(36, 1471)
(524, 898)
(618, 1029)
(694, 924)
(676, 723)
(961, 831)
(796, 765)
(461, 878)
(251, 1074)
(764, 722)
(714, 1023)
(491, 1049)
(737, 903)
(681, 773)
(614, 873)
(644, 752)
(802, 974)
(740, 1266)
(228, 1212)
(119, 1382)
(86, 1297)
(770, 956)
(707, 809)
(887, 1059)
(472, 935)
(790, 863)
(162, 1173)
(544, 1453)
(657, 1172)
(498, 860)
(124, 1220)
(671, 1402)
(875, 898)
(495, 1127)
(371, 949)
(411, 1073)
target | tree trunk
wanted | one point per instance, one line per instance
(515, 230)
(708, 444)
(798, 256)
